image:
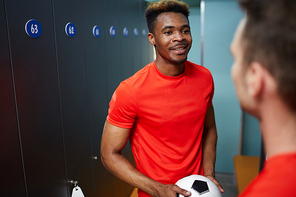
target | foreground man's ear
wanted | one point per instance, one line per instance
(255, 79)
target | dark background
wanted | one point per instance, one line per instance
(55, 90)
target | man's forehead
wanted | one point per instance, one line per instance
(238, 33)
(171, 18)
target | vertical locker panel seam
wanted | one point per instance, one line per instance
(15, 99)
(87, 100)
(60, 99)
(120, 43)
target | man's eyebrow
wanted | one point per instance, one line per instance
(167, 27)
(170, 27)
(185, 26)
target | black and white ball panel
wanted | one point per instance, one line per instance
(199, 186)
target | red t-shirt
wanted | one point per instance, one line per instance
(277, 179)
(166, 116)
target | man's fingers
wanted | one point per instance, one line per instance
(182, 191)
(221, 189)
(219, 186)
(217, 183)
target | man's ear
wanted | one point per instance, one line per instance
(151, 38)
(255, 79)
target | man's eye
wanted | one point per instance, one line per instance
(168, 32)
(186, 31)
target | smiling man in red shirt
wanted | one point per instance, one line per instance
(166, 111)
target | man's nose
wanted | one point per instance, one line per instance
(178, 36)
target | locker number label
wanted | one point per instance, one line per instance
(125, 32)
(112, 31)
(144, 33)
(136, 32)
(96, 31)
(33, 28)
(70, 29)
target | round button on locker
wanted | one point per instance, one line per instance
(70, 29)
(33, 28)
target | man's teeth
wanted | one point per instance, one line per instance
(180, 49)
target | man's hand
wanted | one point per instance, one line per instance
(212, 178)
(170, 190)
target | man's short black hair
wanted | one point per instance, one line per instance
(158, 7)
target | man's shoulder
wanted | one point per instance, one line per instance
(277, 170)
(137, 79)
(140, 73)
(198, 68)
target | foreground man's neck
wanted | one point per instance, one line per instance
(171, 70)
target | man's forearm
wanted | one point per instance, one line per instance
(124, 170)
(113, 142)
(209, 151)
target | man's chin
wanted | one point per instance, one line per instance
(249, 110)
(181, 61)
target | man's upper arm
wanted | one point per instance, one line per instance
(210, 118)
(114, 139)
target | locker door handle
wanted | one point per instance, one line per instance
(74, 183)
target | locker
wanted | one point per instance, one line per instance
(112, 45)
(126, 51)
(113, 65)
(37, 98)
(71, 62)
(11, 168)
(136, 44)
(97, 90)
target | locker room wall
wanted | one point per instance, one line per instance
(221, 20)
(55, 92)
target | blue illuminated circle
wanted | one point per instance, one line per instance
(70, 29)
(125, 32)
(33, 28)
(144, 32)
(136, 32)
(96, 31)
(112, 31)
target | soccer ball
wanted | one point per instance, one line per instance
(199, 186)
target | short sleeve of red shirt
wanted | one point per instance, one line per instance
(210, 102)
(122, 112)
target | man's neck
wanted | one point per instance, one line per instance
(278, 128)
(170, 69)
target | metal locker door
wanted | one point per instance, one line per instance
(37, 97)
(12, 182)
(136, 40)
(126, 35)
(70, 35)
(97, 89)
(112, 45)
